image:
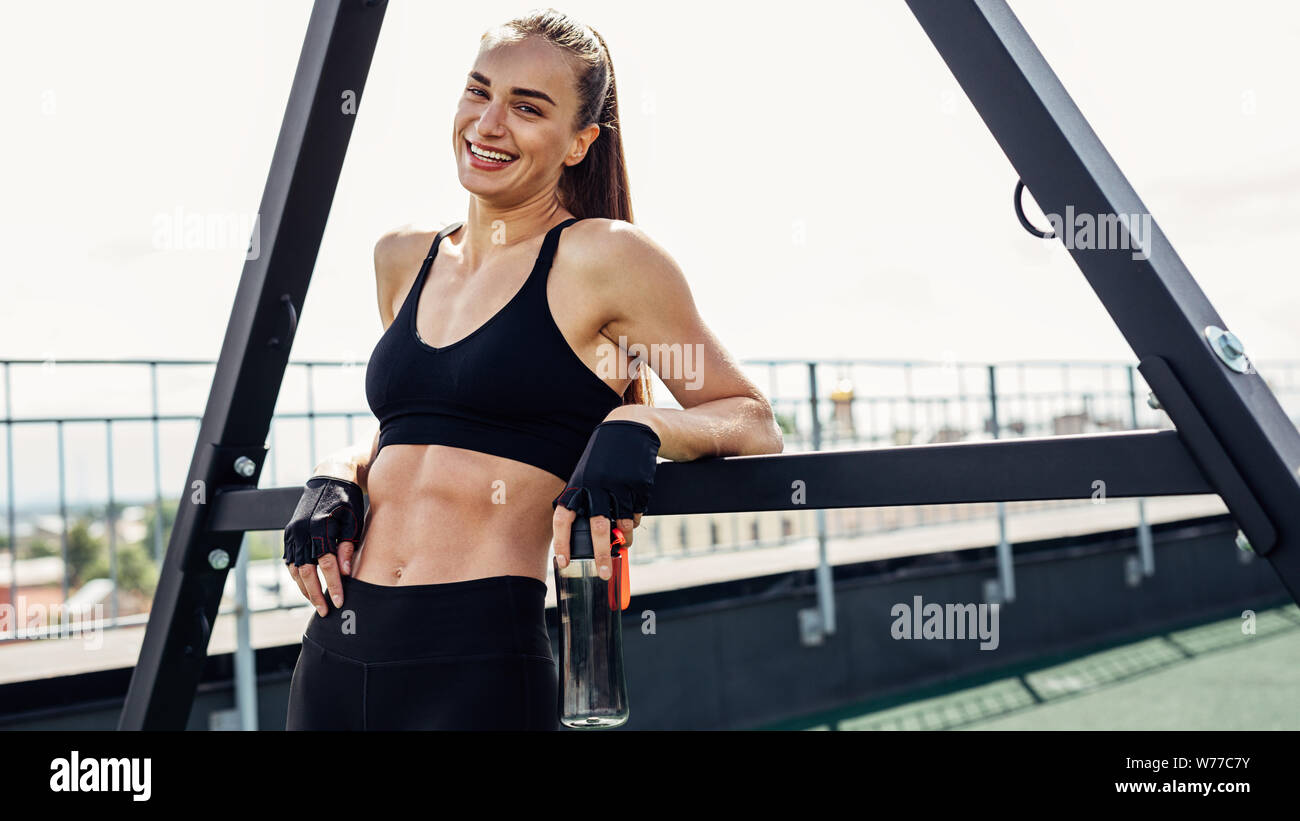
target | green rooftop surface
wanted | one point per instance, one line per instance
(1213, 676)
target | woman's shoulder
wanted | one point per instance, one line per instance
(399, 244)
(620, 264)
(399, 252)
(601, 244)
(398, 255)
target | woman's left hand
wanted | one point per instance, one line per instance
(612, 482)
(600, 536)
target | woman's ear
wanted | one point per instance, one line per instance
(582, 143)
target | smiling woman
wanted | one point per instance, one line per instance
(508, 405)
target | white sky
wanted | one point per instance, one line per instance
(118, 113)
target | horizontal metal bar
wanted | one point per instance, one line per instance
(234, 511)
(1129, 464)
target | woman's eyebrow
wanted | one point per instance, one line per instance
(518, 92)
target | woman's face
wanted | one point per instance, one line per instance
(519, 100)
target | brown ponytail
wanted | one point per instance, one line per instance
(597, 186)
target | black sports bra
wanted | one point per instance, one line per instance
(512, 388)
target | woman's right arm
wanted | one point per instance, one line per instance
(392, 256)
(351, 463)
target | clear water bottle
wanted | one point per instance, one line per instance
(593, 690)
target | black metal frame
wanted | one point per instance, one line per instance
(305, 168)
(1232, 437)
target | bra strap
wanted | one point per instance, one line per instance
(552, 240)
(450, 229)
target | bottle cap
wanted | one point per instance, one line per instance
(580, 540)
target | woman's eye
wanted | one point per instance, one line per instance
(529, 109)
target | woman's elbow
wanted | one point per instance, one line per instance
(769, 437)
(776, 443)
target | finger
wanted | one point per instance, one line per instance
(293, 574)
(346, 549)
(329, 567)
(626, 525)
(600, 539)
(311, 582)
(636, 520)
(561, 521)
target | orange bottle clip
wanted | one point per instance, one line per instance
(620, 592)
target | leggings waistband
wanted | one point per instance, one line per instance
(487, 616)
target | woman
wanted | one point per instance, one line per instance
(508, 405)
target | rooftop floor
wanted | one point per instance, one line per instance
(1210, 677)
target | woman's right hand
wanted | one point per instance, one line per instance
(324, 532)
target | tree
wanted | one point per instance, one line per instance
(38, 549)
(785, 421)
(83, 551)
(135, 568)
(169, 507)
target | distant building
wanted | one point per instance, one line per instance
(842, 411)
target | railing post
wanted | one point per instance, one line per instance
(825, 580)
(9, 488)
(1146, 550)
(245, 658)
(1006, 566)
(63, 513)
(111, 516)
(157, 468)
(311, 419)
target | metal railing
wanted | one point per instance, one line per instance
(821, 405)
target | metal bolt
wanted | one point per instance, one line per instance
(1152, 402)
(1228, 347)
(1132, 571)
(811, 630)
(1243, 543)
(218, 559)
(245, 467)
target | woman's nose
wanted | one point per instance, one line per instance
(489, 124)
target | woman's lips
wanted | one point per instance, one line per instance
(482, 163)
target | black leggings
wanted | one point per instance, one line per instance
(468, 655)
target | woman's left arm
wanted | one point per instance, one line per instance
(653, 317)
(734, 426)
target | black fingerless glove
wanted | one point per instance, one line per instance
(330, 511)
(616, 473)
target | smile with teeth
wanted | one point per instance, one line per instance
(491, 156)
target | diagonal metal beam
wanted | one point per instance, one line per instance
(1230, 421)
(331, 74)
